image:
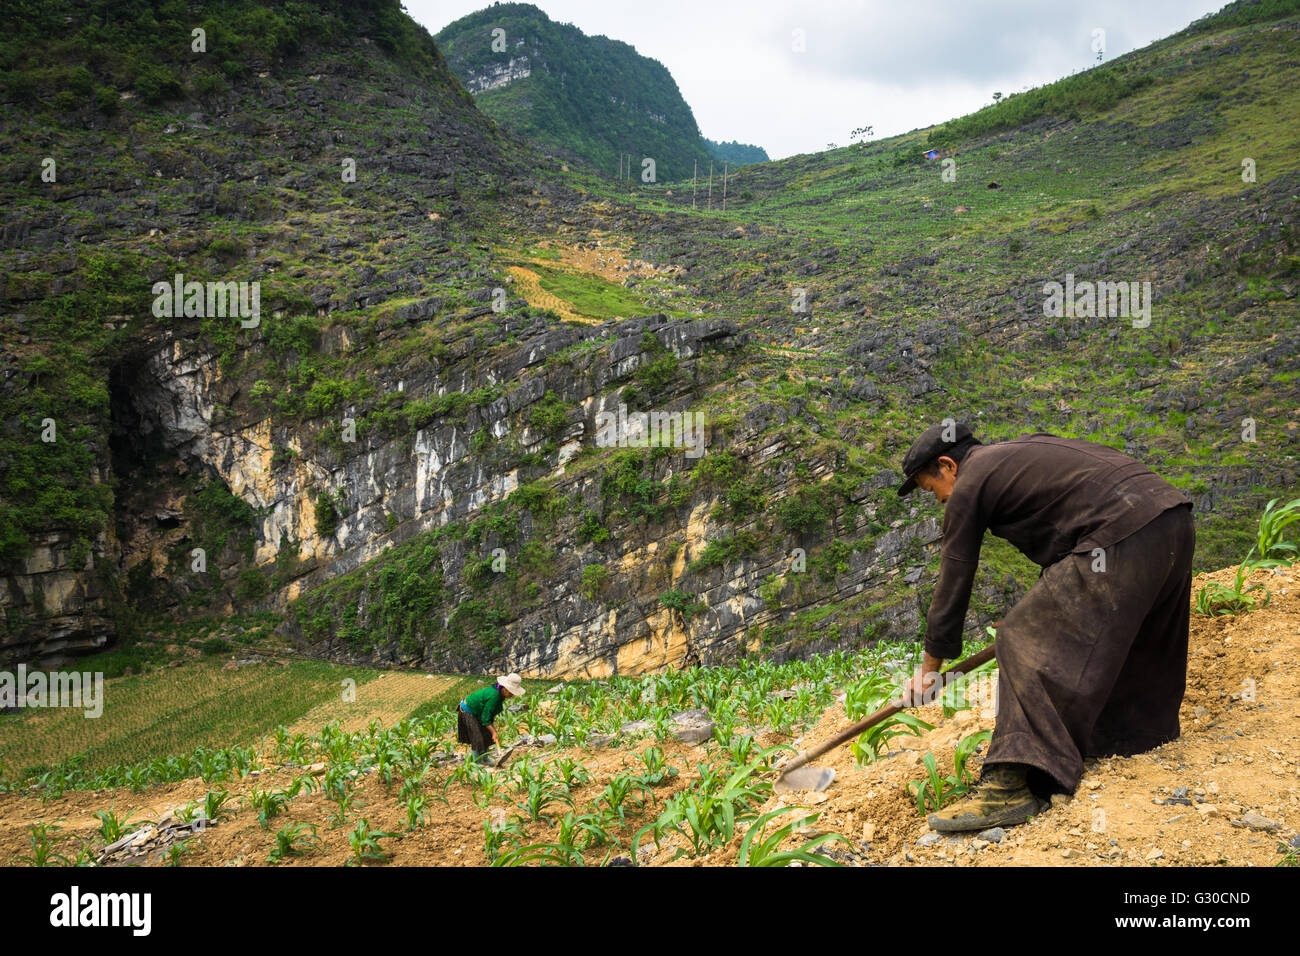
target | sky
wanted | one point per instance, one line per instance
(794, 76)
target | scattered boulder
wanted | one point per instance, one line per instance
(1255, 821)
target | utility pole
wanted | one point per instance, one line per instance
(710, 184)
(724, 187)
(694, 172)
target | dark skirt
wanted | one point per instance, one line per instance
(1091, 662)
(470, 731)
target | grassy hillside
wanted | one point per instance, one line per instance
(839, 304)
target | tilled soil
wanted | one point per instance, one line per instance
(1238, 758)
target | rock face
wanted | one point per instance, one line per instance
(493, 75)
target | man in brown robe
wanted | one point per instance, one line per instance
(1093, 660)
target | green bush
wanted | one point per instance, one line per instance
(594, 578)
(806, 511)
(157, 84)
(327, 515)
(549, 416)
(252, 585)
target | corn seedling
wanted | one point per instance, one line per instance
(964, 752)
(487, 785)
(345, 804)
(766, 851)
(495, 836)
(543, 854)
(874, 741)
(1217, 599)
(302, 783)
(365, 844)
(707, 816)
(43, 838)
(294, 840)
(268, 803)
(1273, 551)
(597, 828)
(620, 790)
(176, 851)
(541, 795)
(656, 766)
(411, 786)
(936, 791)
(110, 827)
(214, 805)
(570, 772)
(1288, 854)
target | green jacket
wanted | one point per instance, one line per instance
(485, 704)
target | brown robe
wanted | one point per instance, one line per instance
(1093, 660)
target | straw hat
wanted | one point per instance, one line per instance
(512, 683)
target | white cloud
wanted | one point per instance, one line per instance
(894, 65)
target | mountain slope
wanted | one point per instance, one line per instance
(404, 462)
(587, 98)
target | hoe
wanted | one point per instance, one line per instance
(795, 775)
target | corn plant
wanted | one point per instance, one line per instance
(779, 715)
(597, 828)
(1288, 852)
(743, 749)
(411, 786)
(526, 771)
(620, 790)
(303, 782)
(43, 838)
(1217, 599)
(214, 805)
(268, 803)
(766, 851)
(656, 766)
(707, 816)
(1273, 551)
(873, 742)
(110, 827)
(867, 695)
(176, 851)
(417, 810)
(294, 840)
(541, 795)
(495, 836)
(486, 788)
(965, 750)
(937, 791)
(345, 803)
(544, 854)
(365, 844)
(570, 772)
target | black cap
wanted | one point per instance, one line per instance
(934, 441)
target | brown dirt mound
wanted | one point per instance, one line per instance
(1239, 754)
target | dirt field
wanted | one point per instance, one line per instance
(1238, 757)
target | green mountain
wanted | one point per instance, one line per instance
(737, 154)
(590, 99)
(376, 428)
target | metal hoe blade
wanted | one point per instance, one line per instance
(805, 778)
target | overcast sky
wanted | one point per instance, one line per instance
(895, 66)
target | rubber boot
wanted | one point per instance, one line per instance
(1000, 799)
